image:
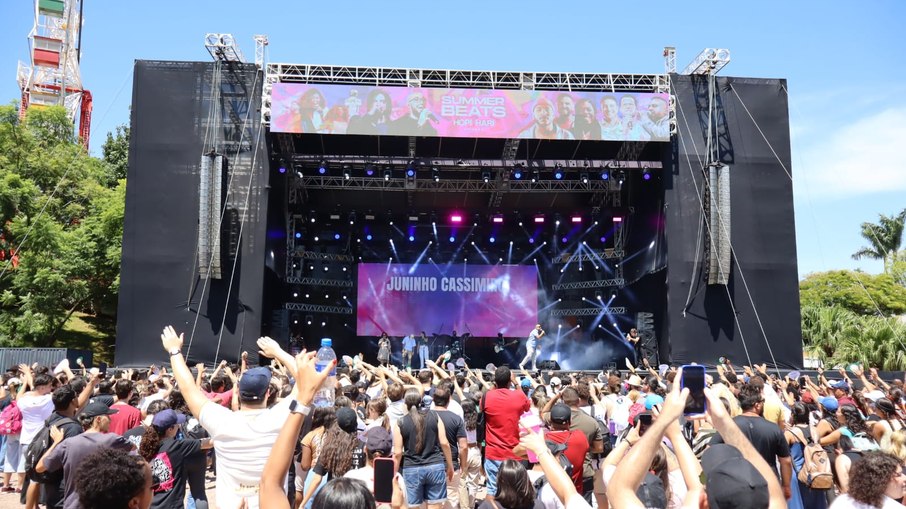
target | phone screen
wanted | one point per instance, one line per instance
(694, 379)
(383, 480)
(102, 369)
(645, 420)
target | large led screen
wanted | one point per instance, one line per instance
(482, 300)
(468, 113)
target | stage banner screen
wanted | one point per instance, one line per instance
(482, 300)
(468, 113)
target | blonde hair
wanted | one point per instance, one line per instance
(896, 444)
(634, 395)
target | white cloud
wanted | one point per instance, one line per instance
(862, 157)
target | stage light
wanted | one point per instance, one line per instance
(557, 222)
(539, 219)
(617, 219)
(576, 219)
(298, 235)
(531, 240)
(646, 175)
(536, 176)
(452, 239)
(411, 238)
(282, 169)
(322, 167)
(369, 170)
(497, 219)
(491, 240)
(486, 176)
(323, 324)
(307, 295)
(410, 172)
(598, 295)
(316, 238)
(336, 236)
(435, 174)
(511, 242)
(326, 268)
(605, 175)
(295, 295)
(564, 240)
(517, 174)
(584, 177)
(347, 174)
(559, 325)
(344, 269)
(603, 239)
(558, 173)
(387, 175)
(456, 218)
(368, 237)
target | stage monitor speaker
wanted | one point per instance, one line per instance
(548, 366)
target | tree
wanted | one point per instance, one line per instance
(884, 239)
(116, 154)
(838, 336)
(863, 294)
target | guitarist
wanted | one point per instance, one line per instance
(533, 347)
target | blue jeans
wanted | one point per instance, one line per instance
(425, 484)
(490, 468)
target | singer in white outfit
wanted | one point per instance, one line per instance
(533, 347)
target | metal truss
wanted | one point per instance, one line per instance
(626, 163)
(709, 61)
(585, 285)
(261, 43)
(451, 185)
(447, 78)
(595, 311)
(311, 281)
(324, 257)
(607, 254)
(223, 47)
(318, 308)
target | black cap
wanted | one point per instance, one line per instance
(561, 414)
(95, 409)
(347, 420)
(651, 492)
(731, 482)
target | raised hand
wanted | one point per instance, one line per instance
(268, 347)
(308, 379)
(170, 340)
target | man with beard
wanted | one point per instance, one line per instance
(656, 125)
(566, 112)
(544, 127)
(417, 122)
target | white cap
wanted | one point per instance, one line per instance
(555, 380)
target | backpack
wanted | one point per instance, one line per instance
(36, 450)
(816, 470)
(604, 430)
(863, 442)
(11, 420)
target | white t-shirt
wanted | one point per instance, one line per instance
(364, 474)
(847, 502)
(35, 410)
(242, 443)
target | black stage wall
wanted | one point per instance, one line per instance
(762, 229)
(181, 110)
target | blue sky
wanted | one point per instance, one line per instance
(844, 64)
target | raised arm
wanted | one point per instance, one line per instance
(308, 380)
(172, 343)
(561, 483)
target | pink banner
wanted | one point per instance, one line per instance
(469, 113)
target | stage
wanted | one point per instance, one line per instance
(301, 211)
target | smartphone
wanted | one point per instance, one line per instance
(102, 369)
(384, 470)
(645, 420)
(694, 379)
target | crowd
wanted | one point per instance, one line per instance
(456, 439)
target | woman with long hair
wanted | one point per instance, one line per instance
(322, 418)
(586, 126)
(166, 455)
(335, 457)
(851, 424)
(514, 489)
(884, 421)
(798, 435)
(876, 480)
(420, 445)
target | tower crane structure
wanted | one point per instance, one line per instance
(53, 76)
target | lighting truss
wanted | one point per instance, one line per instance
(450, 185)
(607, 254)
(311, 281)
(585, 285)
(223, 47)
(709, 61)
(318, 308)
(324, 257)
(595, 311)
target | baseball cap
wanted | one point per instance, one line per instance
(554, 447)
(525, 383)
(840, 384)
(378, 439)
(166, 418)
(731, 481)
(561, 414)
(95, 409)
(651, 492)
(347, 420)
(254, 383)
(830, 403)
(555, 380)
(651, 400)
(886, 405)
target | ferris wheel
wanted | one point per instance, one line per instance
(53, 76)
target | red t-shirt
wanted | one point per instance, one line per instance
(125, 418)
(576, 449)
(224, 399)
(502, 408)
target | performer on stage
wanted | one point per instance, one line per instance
(633, 338)
(422, 350)
(383, 354)
(533, 347)
(408, 350)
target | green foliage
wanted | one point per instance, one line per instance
(854, 291)
(839, 337)
(884, 239)
(116, 153)
(65, 208)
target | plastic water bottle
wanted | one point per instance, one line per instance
(325, 395)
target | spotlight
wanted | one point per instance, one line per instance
(456, 218)
(435, 174)
(517, 174)
(336, 236)
(539, 218)
(584, 177)
(369, 170)
(605, 175)
(531, 240)
(452, 239)
(617, 219)
(646, 175)
(368, 237)
(564, 240)
(410, 172)
(322, 167)
(387, 175)
(486, 176)
(576, 219)
(298, 235)
(536, 176)
(411, 238)
(316, 238)
(295, 295)
(497, 219)
(558, 173)
(492, 240)
(282, 169)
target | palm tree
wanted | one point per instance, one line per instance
(884, 238)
